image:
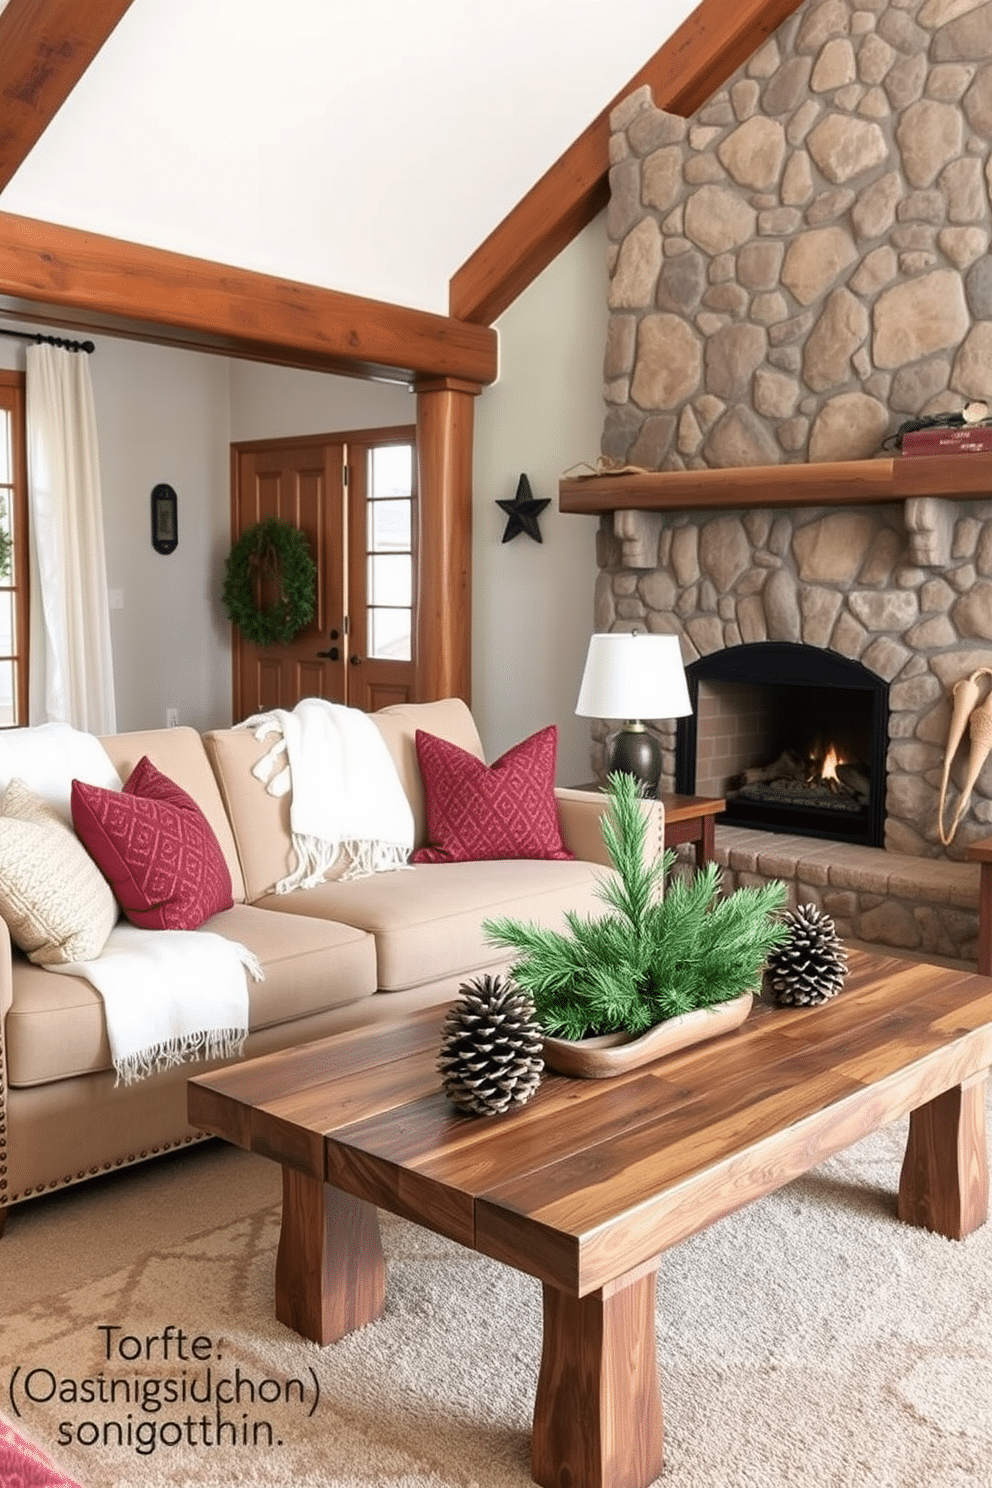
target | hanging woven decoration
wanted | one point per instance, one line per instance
(491, 1045)
(272, 555)
(812, 964)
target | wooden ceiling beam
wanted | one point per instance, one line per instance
(104, 283)
(45, 47)
(687, 70)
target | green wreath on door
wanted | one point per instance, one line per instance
(270, 550)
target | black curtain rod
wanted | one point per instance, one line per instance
(39, 340)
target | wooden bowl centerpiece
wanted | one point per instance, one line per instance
(662, 967)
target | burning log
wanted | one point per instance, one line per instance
(856, 780)
(790, 765)
(820, 770)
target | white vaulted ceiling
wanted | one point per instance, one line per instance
(368, 146)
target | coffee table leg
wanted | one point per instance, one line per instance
(944, 1184)
(330, 1271)
(598, 1420)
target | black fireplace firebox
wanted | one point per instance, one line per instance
(802, 734)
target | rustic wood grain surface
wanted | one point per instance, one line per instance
(590, 1176)
(588, 1183)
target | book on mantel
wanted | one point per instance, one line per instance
(965, 439)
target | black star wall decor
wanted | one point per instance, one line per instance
(522, 512)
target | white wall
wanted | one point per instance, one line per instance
(278, 402)
(335, 143)
(533, 603)
(162, 415)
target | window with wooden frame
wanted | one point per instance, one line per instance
(382, 561)
(389, 555)
(14, 594)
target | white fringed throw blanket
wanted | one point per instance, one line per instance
(170, 996)
(346, 793)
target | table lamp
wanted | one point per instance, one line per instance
(634, 677)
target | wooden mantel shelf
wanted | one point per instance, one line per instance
(832, 483)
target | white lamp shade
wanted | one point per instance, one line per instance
(633, 677)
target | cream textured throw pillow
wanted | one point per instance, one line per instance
(57, 904)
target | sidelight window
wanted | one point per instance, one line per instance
(389, 555)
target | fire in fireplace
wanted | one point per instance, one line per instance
(793, 736)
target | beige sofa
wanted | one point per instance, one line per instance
(335, 957)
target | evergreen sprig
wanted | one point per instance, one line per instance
(653, 955)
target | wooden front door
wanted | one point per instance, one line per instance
(354, 496)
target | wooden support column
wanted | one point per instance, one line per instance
(445, 424)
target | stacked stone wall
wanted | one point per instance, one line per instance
(803, 264)
(793, 272)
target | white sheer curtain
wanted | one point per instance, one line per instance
(71, 673)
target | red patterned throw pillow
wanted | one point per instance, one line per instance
(477, 811)
(155, 848)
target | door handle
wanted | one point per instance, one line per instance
(355, 660)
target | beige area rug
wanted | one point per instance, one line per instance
(811, 1340)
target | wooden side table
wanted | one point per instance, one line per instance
(691, 819)
(687, 819)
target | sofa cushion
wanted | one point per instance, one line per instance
(449, 719)
(55, 900)
(478, 811)
(260, 822)
(55, 1027)
(427, 920)
(180, 754)
(156, 849)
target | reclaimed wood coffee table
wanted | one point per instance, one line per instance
(591, 1181)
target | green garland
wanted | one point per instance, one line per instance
(277, 550)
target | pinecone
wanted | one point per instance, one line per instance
(491, 1045)
(812, 964)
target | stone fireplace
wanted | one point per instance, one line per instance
(794, 737)
(852, 587)
(793, 272)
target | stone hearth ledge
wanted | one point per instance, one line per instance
(925, 906)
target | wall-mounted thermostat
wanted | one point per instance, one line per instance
(165, 523)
